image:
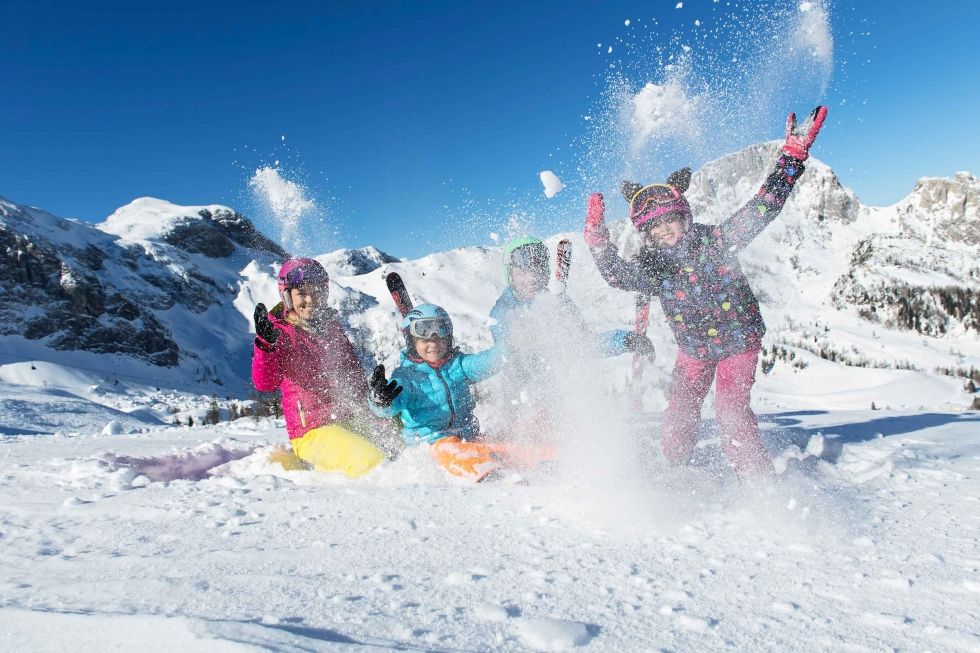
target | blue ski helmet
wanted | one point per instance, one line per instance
(426, 321)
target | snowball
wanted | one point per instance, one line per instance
(680, 5)
(112, 428)
(627, 22)
(552, 184)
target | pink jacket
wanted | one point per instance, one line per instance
(320, 377)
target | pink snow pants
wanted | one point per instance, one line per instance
(739, 427)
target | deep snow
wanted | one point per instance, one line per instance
(179, 538)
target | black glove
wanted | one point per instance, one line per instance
(383, 392)
(263, 325)
(639, 344)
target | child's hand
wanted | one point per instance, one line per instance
(263, 325)
(383, 392)
(800, 138)
(639, 344)
(596, 233)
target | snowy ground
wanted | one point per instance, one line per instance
(176, 538)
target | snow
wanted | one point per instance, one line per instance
(663, 111)
(190, 538)
(552, 184)
(813, 32)
(149, 218)
(285, 201)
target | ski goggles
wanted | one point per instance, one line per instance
(305, 274)
(435, 327)
(530, 257)
(655, 200)
(653, 195)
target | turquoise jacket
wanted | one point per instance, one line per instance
(437, 402)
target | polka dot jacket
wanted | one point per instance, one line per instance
(705, 295)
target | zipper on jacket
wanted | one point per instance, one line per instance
(449, 399)
(302, 415)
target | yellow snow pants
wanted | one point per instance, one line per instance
(336, 448)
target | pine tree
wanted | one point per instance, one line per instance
(213, 416)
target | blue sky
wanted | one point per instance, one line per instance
(422, 126)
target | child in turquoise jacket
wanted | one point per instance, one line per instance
(429, 393)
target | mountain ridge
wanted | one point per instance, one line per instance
(173, 287)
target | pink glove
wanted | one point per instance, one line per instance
(800, 138)
(596, 233)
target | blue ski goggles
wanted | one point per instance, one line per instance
(436, 327)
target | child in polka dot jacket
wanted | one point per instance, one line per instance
(694, 269)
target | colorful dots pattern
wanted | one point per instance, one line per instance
(714, 311)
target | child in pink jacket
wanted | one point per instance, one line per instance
(301, 349)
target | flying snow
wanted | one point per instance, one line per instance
(286, 202)
(662, 111)
(813, 33)
(552, 184)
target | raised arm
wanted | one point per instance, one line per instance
(618, 272)
(481, 366)
(749, 221)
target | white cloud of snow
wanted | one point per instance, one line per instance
(286, 201)
(813, 33)
(662, 111)
(552, 184)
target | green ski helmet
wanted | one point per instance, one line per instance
(528, 253)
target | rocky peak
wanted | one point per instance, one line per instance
(352, 262)
(212, 230)
(943, 208)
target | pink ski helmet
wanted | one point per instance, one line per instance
(297, 272)
(659, 202)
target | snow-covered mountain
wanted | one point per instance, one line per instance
(169, 291)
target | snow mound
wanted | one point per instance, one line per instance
(552, 634)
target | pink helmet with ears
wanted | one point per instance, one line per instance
(660, 202)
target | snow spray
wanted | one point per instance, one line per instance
(725, 80)
(286, 203)
(558, 402)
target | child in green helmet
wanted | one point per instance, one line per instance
(523, 310)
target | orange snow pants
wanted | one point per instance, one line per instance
(475, 460)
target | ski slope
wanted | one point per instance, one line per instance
(176, 538)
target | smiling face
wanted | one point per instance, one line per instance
(432, 350)
(308, 300)
(665, 233)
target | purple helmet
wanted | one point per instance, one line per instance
(299, 271)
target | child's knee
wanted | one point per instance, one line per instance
(335, 448)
